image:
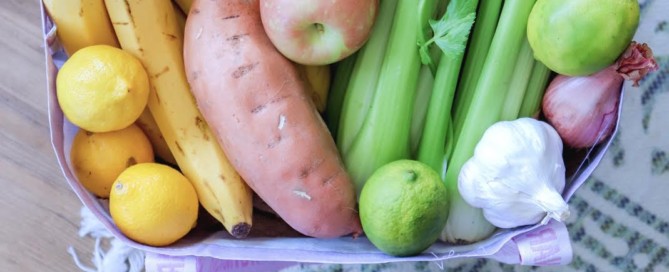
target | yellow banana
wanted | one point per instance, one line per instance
(318, 77)
(149, 30)
(150, 128)
(184, 5)
(181, 19)
(81, 23)
(146, 121)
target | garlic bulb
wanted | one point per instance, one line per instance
(517, 174)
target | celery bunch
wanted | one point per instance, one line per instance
(505, 59)
(375, 125)
(421, 89)
(450, 34)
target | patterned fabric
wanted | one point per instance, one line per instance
(620, 219)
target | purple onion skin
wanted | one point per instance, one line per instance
(583, 110)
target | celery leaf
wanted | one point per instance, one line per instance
(451, 32)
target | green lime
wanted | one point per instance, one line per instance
(403, 207)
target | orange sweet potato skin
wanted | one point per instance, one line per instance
(258, 106)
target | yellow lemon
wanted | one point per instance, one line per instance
(98, 158)
(153, 204)
(102, 88)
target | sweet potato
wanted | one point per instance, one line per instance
(260, 109)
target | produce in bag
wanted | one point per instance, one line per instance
(243, 34)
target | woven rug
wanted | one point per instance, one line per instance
(620, 217)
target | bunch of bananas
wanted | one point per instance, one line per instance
(152, 31)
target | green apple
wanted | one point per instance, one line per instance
(318, 32)
(581, 37)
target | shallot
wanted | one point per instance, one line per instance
(584, 109)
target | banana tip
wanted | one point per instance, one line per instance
(241, 230)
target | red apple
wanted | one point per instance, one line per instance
(318, 32)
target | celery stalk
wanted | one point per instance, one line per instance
(464, 221)
(535, 91)
(423, 96)
(384, 137)
(518, 86)
(451, 34)
(341, 77)
(364, 77)
(484, 29)
(433, 142)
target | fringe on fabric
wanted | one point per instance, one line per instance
(118, 258)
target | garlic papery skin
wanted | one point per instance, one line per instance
(517, 174)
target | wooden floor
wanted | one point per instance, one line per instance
(39, 212)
